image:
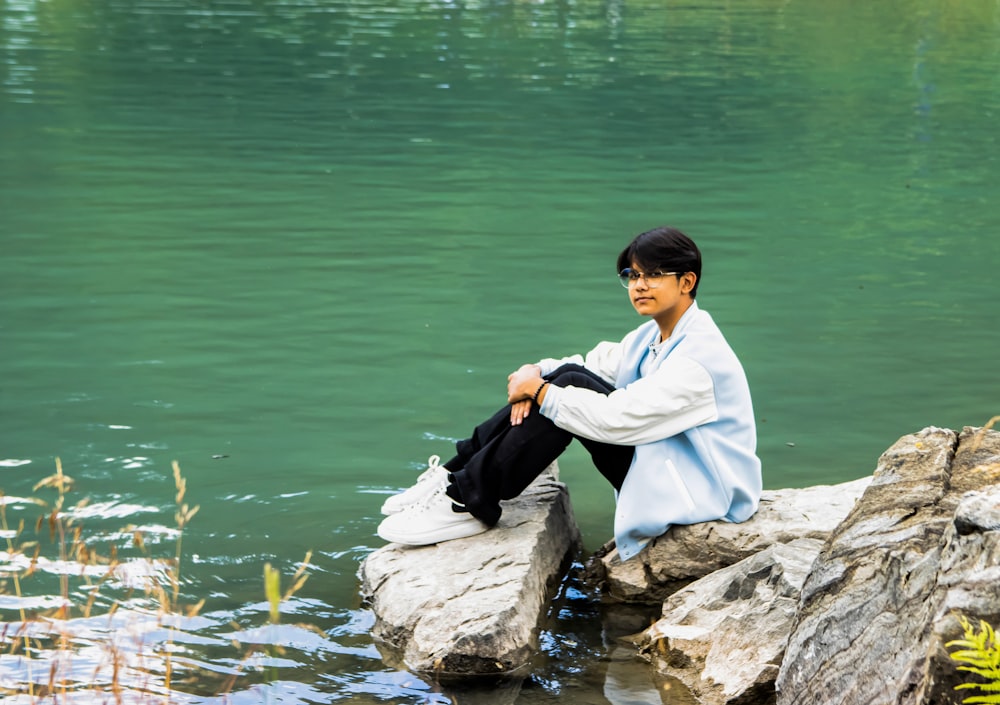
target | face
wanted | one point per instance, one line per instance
(667, 297)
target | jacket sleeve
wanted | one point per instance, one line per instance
(603, 361)
(677, 397)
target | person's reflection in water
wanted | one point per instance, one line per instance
(632, 681)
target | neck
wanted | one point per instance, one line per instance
(667, 321)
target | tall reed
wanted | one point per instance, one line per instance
(135, 677)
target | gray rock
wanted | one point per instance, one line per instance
(723, 636)
(920, 549)
(978, 512)
(686, 553)
(472, 606)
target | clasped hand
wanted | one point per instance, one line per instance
(521, 384)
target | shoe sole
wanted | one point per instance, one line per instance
(458, 531)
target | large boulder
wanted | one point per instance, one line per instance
(686, 553)
(723, 636)
(920, 549)
(472, 607)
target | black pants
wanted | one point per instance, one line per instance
(500, 460)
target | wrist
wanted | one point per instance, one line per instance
(538, 390)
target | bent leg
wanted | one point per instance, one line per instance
(612, 461)
(500, 460)
(507, 464)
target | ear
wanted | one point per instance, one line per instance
(688, 280)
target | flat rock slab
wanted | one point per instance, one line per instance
(472, 607)
(686, 553)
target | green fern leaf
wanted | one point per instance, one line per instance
(979, 651)
(986, 687)
(984, 672)
(983, 699)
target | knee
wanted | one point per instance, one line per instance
(572, 378)
(572, 375)
(566, 369)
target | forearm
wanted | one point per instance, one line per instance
(648, 410)
(612, 419)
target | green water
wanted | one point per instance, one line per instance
(298, 246)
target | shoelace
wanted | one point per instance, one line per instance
(433, 465)
(425, 503)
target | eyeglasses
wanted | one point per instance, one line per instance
(629, 277)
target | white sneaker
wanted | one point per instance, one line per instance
(425, 484)
(431, 520)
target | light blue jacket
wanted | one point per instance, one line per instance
(707, 468)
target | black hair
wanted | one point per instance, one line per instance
(663, 249)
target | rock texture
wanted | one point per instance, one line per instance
(830, 595)
(920, 548)
(686, 553)
(472, 607)
(724, 635)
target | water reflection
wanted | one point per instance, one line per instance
(19, 26)
(122, 640)
(192, 195)
(583, 658)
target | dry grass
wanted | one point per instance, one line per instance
(125, 599)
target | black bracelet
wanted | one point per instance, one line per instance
(534, 397)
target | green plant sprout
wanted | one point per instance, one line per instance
(272, 586)
(980, 652)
